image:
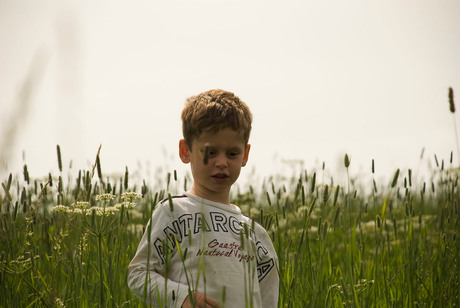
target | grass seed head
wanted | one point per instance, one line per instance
(268, 198)
(395, 178)
(325, 194)
(171, 204)
(346, 161)
(436, 160)
(336, 194)
(26, 175)
(313, 183)
(98, 167)
(451, 100)
(8, 184)
(303, 195)
(58, 148)
(126, 178)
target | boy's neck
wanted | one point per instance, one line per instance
(221, 197)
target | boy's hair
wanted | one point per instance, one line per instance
(212, 111)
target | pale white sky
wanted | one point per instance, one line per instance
(323, 78)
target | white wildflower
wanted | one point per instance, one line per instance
(105, 197)
(94, 210)
(130, 195)
(60, 208)
(59, 302)
(57, 247)
(80, 205)
(99, 211)
(128, 205)
(336, 287)
(111, 210)
(78, 211)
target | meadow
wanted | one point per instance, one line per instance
(66, 239)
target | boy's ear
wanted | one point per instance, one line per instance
(184, 151)
(246, 155)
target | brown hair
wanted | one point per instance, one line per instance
(212, 111)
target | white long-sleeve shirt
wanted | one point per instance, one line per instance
(197, 244)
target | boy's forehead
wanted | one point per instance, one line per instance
(222, 136)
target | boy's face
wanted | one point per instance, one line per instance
(227, 153)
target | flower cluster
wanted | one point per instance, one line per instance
(336, 287)
(60, 208)
(363, 284)
(80, 205)
(105, 197)
(130, 196)
(59, 302)
(83, 208)
(103, 211)
(126, 204)
(19, 265)
(95, 210)
(359, 287)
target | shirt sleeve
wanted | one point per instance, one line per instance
(147, 270)
(267, 270)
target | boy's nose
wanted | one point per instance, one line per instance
(221, 161)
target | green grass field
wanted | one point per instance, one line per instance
(365, 244)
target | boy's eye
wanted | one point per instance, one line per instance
(233, 154)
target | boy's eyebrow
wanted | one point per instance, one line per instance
(235, 148)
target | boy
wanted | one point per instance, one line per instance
(199, 250)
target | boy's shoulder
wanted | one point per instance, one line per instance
(173, 201)
(172, 198)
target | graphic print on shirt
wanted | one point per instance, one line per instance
(191, 224)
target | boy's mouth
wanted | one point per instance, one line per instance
(220, 176)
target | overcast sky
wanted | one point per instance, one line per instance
(323, 78)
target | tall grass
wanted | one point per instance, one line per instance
(387, 245)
